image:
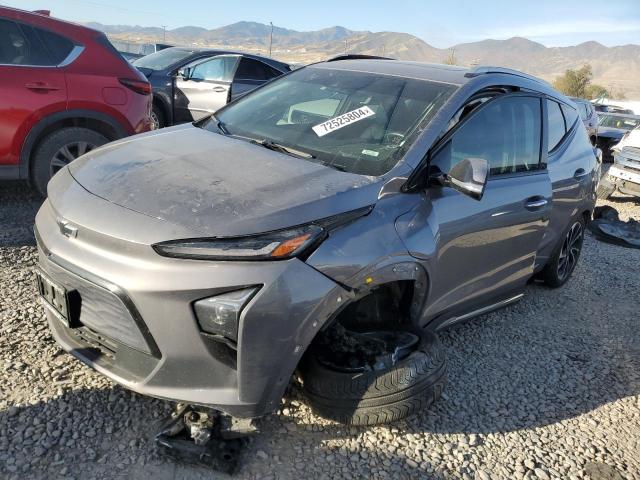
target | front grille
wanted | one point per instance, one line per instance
(92, 339)
(102, 310)
(632, 156)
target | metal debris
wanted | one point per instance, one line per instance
(204, 436)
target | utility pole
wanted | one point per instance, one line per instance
(345, 46)
(164, 33)
(271, 38)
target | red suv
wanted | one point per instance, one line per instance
(64, 90)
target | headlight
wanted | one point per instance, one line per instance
(219, 315)
(278, 245)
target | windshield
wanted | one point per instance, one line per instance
(352, 121)
(162, 59)
(617, 121)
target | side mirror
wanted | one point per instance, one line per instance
(468, 176)
(185, 73)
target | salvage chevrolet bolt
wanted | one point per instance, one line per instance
(322, 228)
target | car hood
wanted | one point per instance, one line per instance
(611, 132)
(218, 186)
(632, 139)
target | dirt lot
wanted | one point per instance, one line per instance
(548, 388)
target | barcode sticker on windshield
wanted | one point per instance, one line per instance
(343, 120)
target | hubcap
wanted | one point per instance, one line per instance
(155, 122)
(570, 251)
(67, 154)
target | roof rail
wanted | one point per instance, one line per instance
(356, 56)
(484, 70)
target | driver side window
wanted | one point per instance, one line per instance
(506, 132)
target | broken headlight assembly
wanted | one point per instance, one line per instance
(278, 245)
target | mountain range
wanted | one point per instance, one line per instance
(616, 68)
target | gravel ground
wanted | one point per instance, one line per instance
(548, 388)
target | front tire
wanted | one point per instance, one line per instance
(60, 148)
(376, 396)
(565, 257)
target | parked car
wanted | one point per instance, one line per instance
(611, 128)
(624, 174)
(601, 108)
(65, 91)
(132, 51)
(329, 222)
(589, 117)
(191, 83)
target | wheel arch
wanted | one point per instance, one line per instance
(97, 121)
(160, 99)
(389, 272)
(161, 102)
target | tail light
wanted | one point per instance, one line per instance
(138, 86)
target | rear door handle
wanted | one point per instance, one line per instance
(581, 172)
(535, 203)
(219, 89)
(40, 86)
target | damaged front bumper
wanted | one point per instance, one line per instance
(137, 323)
(625, 173)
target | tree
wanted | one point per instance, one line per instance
(575, 82)
(451, 57)
(594, 91)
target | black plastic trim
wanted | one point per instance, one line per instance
(114, 289)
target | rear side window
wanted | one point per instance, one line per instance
(505, 132)
(20, 46)
(584, 111)
(251, 69)
(58, 47)
(25, 45)
(570, 116)
(555, 124)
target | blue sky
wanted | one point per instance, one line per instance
(440, 23)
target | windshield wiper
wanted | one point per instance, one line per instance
(266, 143)
(220, 124)
(340, 168)
(276, 147)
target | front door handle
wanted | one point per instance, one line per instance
(41, 86)
(581, 172)
(219, 89)
(535, 203)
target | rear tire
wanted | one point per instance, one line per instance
(377, 396)
(157, 117)
(60, 148)
(565, 257)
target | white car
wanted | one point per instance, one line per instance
(624, 174)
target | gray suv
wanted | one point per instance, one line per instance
(328, 223)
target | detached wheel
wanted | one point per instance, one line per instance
(157, 117)
(565, 257)
(373, 378)
(59, 149)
